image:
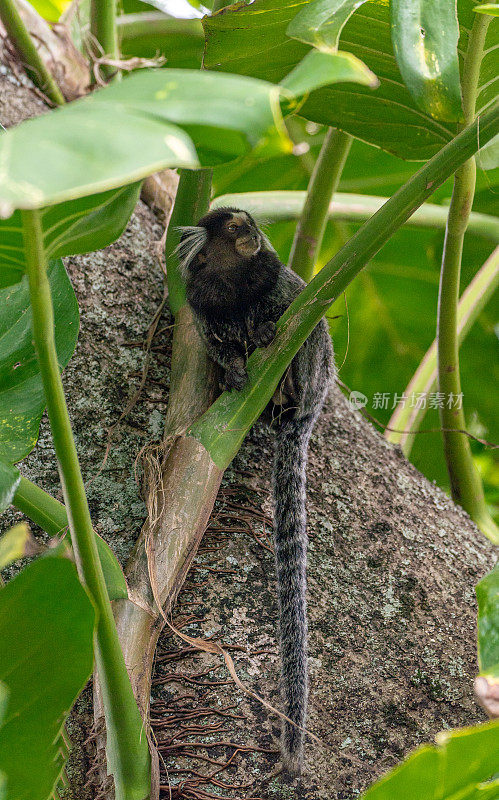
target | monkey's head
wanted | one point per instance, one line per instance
(229, 232)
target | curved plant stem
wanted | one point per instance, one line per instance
(191, 202)
(133, 27)
(39, 506)
(466, 485)
(287, 205)
(28, 53)
(305, 157)
(47, 512)
(104, 31)
(407, 420)
(127, 751)
(222, 429)
(323, 183)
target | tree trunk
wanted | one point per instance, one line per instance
(392, 562)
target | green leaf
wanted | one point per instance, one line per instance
(488, 8)
(116, 584)
(129, 130)
(321, 69)
(488, 156)
(50, 10)
(425, 37)
(320, 23)
(16, 543)
(4, 698)
(147, 35)
(46, 629)
(253, 41)
(459, 766)
(9, 481)
(487, 592)
(51, 516)
(21, 393)
(77, 226)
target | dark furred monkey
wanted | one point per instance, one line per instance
(238, 289)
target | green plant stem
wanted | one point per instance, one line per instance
(283, 206)
(222, 429)
(322, 186)
(43, 509)
(28, 53)
(128, 755)
(295, 133)
(104, 31)
(137, 26)
(465, 481)
(407, 420)
(191, 202)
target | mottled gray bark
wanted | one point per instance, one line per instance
(392, 561)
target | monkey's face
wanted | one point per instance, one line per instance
(242, 233)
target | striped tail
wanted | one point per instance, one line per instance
(289, 484)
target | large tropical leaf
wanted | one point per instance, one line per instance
(152, 34)
(22, 399)
(252, 40)
(46, 629)
(462, 765)
(425, 37)
(126, 131)
(70, 228)
(9, 481)
(21, 392)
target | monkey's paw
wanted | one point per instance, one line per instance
(264, 334)
(235, 379)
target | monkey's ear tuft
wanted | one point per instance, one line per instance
(192, 240)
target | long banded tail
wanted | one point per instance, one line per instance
(290, 535)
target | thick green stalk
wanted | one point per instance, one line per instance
(305, 156)
(39, 506)
(284, 206)
(27, 52)
(222, 429)
(128, 755)
(466, 484)
(322, 186)
(191, 202)
(407, 420)
(104, 31)
(137, 26)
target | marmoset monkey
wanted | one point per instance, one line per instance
(237, 289)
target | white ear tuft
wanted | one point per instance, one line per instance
(193, 239)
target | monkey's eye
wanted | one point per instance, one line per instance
(232, 227)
